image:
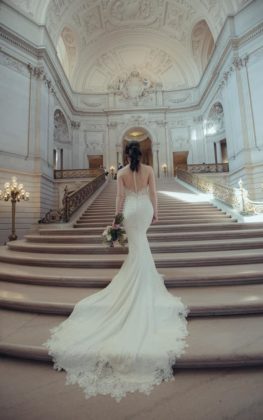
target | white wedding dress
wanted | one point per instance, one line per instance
(126, 337)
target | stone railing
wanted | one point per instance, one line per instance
(72, 201)
(204, 168)
(236, 198)
(77, 173)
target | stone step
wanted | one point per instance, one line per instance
(108, 212)
(100, 277)
(212, 342)
(171, 228)
(115, 260)
(202, 301)
(162, 217)
(189, 221)
(156, 247)
(161, 237)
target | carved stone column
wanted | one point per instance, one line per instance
(110, 152)
(76, 152)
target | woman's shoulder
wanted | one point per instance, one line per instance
(123, 170)
(147, 168)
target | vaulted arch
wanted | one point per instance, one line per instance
(202, 44)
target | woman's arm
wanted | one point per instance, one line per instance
(120, 194)
(153, 195)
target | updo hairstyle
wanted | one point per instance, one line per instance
(133, 152)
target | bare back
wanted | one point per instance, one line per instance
(136, 181)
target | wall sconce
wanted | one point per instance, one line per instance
(164, 169)
(14, 192)
(112, 171)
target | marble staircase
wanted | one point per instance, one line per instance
(214, 263)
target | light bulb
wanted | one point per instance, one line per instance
(7, 184)
(14, 179)
(20, 186)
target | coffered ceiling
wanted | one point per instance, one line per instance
(100, 43)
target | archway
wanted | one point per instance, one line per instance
(143, 137)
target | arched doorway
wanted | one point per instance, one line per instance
(142, 136)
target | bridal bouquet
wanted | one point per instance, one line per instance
(115, 234)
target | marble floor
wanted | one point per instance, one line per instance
(31, 391)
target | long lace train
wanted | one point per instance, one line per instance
(126, 337)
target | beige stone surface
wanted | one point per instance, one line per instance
(31, 391)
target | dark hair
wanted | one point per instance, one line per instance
(132, 150)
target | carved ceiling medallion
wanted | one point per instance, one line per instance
(135, 11)
(134, 86)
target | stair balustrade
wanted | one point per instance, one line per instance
(73, 200)
(236, 198)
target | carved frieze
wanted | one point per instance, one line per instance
(12, 63)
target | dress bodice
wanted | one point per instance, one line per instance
(142, 192)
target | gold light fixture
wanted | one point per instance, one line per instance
(14, 192)
(164, 169)
(112, 171)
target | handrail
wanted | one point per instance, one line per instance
(72, 201)
(203, 167)
(78, 173)
(236, 198)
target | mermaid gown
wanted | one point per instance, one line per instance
(126, 337)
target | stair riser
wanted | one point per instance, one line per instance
(194, 262)
(155, 249)
(160, 222)
(165, 238)
(41, 355)
(239, 279)
(66, 309)
(105, 213)
(169, 217)
(153, 228)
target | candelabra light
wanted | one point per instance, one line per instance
(164, 169)
(112, 171)
(14, 192)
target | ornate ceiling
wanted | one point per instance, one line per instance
(103, 43)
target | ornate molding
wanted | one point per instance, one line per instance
(237, 64)
(13, 64)
(75, 124)
(38, 73)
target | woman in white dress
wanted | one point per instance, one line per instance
(128, 336)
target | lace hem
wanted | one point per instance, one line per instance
(101, 378)
(99, 373)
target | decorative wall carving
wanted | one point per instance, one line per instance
(75, 125)
(134, 11)
(94, 141)
(133, 87)
(61, 133)
(237, 64)
(215, 122)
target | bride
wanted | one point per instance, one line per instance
(128, 336)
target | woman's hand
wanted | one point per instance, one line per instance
(155, 219)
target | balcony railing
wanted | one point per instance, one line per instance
(77, 173)
(204, 168)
